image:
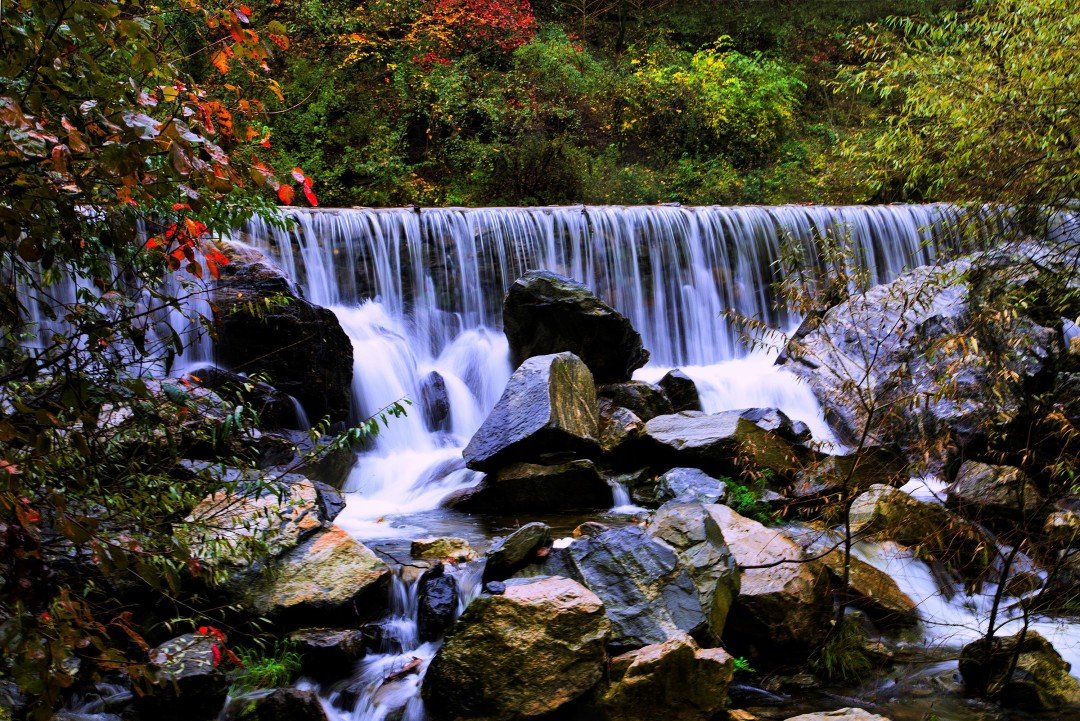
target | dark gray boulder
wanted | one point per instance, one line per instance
(434, 402)
(511, 553)
(547, 313)
(279, 704)
(681, 391)
(438, 601)
(190, 682)
(620, 428)
(275, 409)
(299, 346)
(531, 487)
(690, 485)
(645, 400)
(648, 594)
(548, 408)
(1024, 671)
(324, 652)
(981, 490)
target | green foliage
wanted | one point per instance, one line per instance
(742, 665)
(744, 497)
(270, 666)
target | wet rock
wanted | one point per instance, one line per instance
(590, 529)
(434, 402)
(300, 347)
(547, 313)
(699, 542)
(189, 684)
(511, 553)
(524, 653)
(620, 428)
(689, 485)
(681, 391)
(275, 409)
(331, 576)
(324, 652)
(74, 716)
(549, 407)
(1039, 681)
(674, 680)
(1062, 528)
(438, 602)
(279, 704)
(495, 588)
(981, 489)
(858, 471)
(843, 714)
(645, 400)
(784, 601)
(648, 594)
(724, 443)
(447, 548)
(530, 487)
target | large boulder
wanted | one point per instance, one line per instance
(648, 594)
(521, 654)
(548, 408)
(515, 551)
(674, 680)
(443, 548)
(691, 530)
(984, 490)
(645, 400)
(784, 601)
(843, 714)
(620, 429)
(275, 408)
(190, 681)
(724, 443)
(325, 651)
(263, 326)
(893, 341)
(531, 487)
(690, 485)
(331, 576)
(279, 704)
(1027, 672)
(547, 313)
(681, 391)
(856, 471)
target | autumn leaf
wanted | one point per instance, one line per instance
(285, 193)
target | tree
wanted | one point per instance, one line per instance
(984, 105)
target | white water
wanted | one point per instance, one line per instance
(421, 291)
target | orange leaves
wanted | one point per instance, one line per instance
(285, 194)
(220, 59)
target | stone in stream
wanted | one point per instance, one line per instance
(274, 408)
(1062, 528)
(645, 400)
(437, 603)
(785, 601)
(325, 651)
(1039, 681)
(279, 704)
(674, 680)
(681, 391)
(434, 402)
(330, 576)
(301, 347)
(532, 487)
(724, 443)
(648, 594)
(690, 485)
(696, 537)
(858, 470)
(548, 313)
(620, 428)
(982, 490)
(548, 408)
(843, 714)
(443, 548)
(189, 683)
(515, 551)
(525, 653)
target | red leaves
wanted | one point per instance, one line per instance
(449, 27)
(286, 193)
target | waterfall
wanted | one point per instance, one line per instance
(420, 291)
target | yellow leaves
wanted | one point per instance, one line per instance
(220, 60)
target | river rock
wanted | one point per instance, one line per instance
(275, 409)
(547, 313)
(674, 680)
(445, 548)
(697, 539)
(438, 602)
(331, 576)
(690, 485)
(324, 652)
(645, 400)
(648, 594)
(263, 326)
(785, 606)
(723, 443)
(549, 407)
(525, 653)
(620, 428)
(279, 704)
(902, 326)
(981, 489)
(190, 683)
(1039, 681)
(514, 552)
(533, 488)
(859, 470)
(681, 391)
(843, 714)
(435, 402)
(1062, 528)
